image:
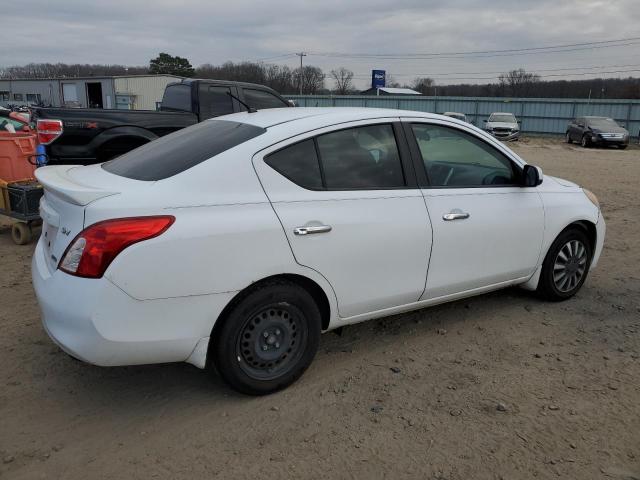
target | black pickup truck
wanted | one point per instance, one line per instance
(88, 135)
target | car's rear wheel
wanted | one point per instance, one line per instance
(268, 339)
(585, 142)
(566, 265)
(567, 137)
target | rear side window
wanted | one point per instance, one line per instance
(177, 97)
(259, 99)
(181, 150)
(214, 101)
(299, 163)
(361, 158)
(350, 159)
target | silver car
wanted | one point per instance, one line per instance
(503, 126)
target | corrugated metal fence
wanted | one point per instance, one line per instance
(537, 115)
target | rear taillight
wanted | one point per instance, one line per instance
(93, 249)
(48, 130)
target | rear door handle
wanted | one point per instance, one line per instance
(312, 229)
(455, 215)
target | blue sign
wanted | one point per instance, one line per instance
(377, 78)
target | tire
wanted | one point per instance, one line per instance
(567, 138)
(268, 339)
(21, 233)
(585, 142)
(574, 246)
(622, 147)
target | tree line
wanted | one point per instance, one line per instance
(340, 81)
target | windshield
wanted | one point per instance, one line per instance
(602, 122)
(181, 150)
(503, 118)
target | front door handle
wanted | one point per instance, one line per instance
(312, 229)
(455, 215)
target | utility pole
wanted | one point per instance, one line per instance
(301, 54)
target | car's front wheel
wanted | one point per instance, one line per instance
(268, 339)
(566, 265)
(585, 142)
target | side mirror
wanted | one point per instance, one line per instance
(292, 103)
(485, 120)
(531, 176)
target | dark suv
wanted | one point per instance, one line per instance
(597, 131)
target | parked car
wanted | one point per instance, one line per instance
(502, 125)
(89, 135)
(597, 131)
(456, 115)
(233, 243)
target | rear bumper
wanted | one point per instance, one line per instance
(96, 322)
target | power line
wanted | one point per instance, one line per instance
(434, 75)
(571, 47)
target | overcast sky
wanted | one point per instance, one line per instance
(132, 31)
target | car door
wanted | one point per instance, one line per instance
(487, 229)
(577, 130)
(351, 210)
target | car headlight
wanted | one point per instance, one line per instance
(591, 196)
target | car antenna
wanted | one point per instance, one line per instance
(250, 109)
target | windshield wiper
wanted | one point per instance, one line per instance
(249, 108)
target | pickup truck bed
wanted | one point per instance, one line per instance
(92, 135)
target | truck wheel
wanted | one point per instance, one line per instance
(268, 339)
(20, 233)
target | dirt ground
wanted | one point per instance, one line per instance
(501, 386)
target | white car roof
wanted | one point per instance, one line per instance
(320, 115)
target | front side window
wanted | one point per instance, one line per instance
(214, 101)
(453, 158)
(18, 97)
(259, 99)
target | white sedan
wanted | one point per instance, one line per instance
(234, 243)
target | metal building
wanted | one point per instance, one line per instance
(135, 92)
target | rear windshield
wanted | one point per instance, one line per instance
(181, 150)
(177, 98)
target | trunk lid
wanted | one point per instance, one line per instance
(68, 190)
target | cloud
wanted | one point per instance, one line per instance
(133, 31)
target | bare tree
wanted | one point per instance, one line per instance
(423, 85)
(311, 77)
(343, 79)
(518, 83)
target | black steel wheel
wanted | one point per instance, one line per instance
(268, 339)
(566, 265)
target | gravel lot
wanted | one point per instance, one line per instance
(497, 386)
